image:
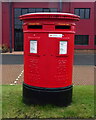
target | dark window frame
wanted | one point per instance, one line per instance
(81, 40)
(95, 40)
(85, 9)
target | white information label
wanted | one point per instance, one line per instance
(33, 46)
(56, 35)
(63, 47)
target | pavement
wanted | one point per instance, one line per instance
(10, 73)
(13, 72)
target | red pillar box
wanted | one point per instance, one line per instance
(48, 57)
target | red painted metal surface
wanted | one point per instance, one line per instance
(48, 67)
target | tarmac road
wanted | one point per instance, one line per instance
(79, 59)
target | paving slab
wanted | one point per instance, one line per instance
(82, 75)
(10, 73)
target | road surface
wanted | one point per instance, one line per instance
(79, 59)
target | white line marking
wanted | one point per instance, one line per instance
(15, 82)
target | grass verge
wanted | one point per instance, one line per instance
(81, 107)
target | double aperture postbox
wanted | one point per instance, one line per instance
(48, 57)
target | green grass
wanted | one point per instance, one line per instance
(81, 107)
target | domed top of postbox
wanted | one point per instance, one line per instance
(66, 16)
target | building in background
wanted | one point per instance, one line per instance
(85, 37)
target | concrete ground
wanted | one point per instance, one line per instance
(14, 74)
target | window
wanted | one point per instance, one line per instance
(95, 40)
(24, 11)
(38, 9)
(18, 33)
(31, 10)
(35, 10)
(81, 39)
(84, 13)
(53, 9)
(46, 10)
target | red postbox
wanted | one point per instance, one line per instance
(48, 57)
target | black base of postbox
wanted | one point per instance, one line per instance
(43, 96)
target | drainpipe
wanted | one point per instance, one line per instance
(60, 5)
(10, 15)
